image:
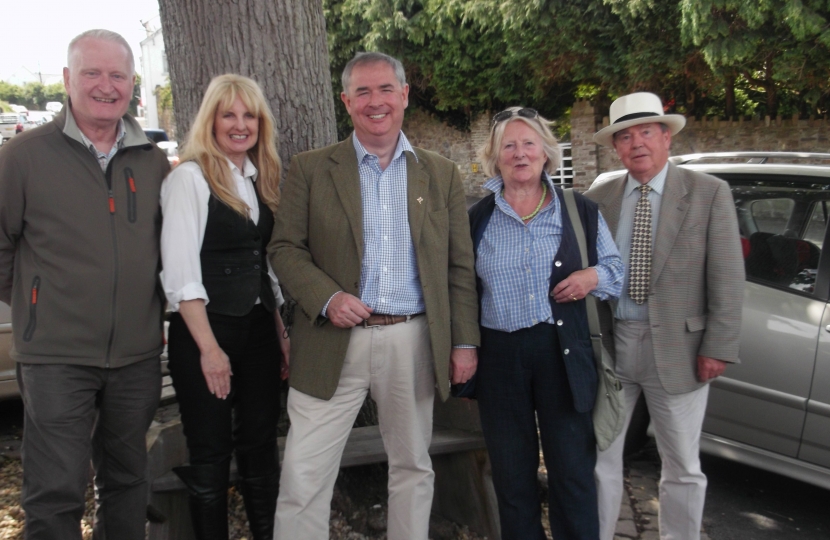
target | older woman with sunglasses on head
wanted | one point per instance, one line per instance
(536, 366)
(227, 345)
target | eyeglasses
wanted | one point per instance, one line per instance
(524, 113)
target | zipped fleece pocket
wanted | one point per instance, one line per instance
(30, 327)
(132, 205)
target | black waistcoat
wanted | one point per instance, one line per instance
(234, 271)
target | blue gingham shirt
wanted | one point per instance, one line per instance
(389, 279)
(514, 264)
(626, 309)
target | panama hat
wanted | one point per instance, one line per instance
(635, 109)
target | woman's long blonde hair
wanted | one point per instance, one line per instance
(201, 146)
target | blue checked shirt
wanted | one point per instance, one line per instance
(626, 308)
(514, 264)
(389, 279)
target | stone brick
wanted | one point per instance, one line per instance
(626, 529)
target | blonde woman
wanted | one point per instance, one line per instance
(226, 348)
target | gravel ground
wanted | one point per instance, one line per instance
(358, 505)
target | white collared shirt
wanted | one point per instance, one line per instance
(184, 205)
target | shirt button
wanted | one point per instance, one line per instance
(566, 351)
(384, 269)
(559, 322)
(227, 270)
(557, 263)
(385, 237)
(384, 207)
(383, 300)
(533, 321)
(531, 297)
(527, 250)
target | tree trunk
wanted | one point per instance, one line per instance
(279, 43)
(729, 87)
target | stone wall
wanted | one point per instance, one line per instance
(426, 131)
(705, 135)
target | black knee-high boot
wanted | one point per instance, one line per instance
(259, 476)
(207, 486)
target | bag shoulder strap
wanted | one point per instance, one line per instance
(579, 231)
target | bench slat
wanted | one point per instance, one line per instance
(365, 446)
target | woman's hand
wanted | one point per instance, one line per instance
(576, 286)
(216, 368)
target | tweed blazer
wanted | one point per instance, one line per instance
(697, 274)
(317, 250)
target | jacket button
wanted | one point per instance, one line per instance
(256, 252)
(256, 267)
(560, 322)
(227, 270)
(558, 263)
(566, 351)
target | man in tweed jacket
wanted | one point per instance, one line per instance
(685, 330)
(373, 241)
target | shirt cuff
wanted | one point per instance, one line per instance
(463, 346)
(603, 276)
(326, 307)
(191, 291)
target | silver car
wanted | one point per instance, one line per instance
(772, 410)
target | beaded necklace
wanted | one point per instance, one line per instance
(538, 206)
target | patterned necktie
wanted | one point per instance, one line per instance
(639, 272)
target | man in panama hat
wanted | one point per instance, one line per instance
(677, 323)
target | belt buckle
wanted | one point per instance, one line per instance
(365, 324)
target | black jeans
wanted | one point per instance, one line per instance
(522, 380)
(247, 420)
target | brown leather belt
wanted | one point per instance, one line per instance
(385, 320)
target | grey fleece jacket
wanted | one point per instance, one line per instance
(79, 248)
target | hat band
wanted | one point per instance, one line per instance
(634, 116)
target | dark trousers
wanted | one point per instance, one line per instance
(247, 420)
(74, 414)
(522, 381)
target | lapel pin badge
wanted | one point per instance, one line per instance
(420, 200)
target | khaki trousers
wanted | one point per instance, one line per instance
(395, 363)
(677, 421)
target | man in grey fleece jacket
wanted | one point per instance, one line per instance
(79, 262)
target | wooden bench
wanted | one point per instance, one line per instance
(463, 485)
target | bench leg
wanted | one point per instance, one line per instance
(173, 507)
(464, 491)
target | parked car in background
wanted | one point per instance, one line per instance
(8, 380)
(156, 135)
(12, 123)
(171, 148)
(772, 410)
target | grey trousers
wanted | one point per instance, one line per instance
(74, 414)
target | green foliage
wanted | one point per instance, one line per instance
(33, 95)
(703, 57)
(164, 97)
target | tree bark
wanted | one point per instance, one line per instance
(279, 43)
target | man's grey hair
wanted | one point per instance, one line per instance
(105, 35)
(364, 58)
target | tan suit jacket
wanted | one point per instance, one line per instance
(317, 250)
(697, 274)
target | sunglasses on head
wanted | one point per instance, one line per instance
(524, 113)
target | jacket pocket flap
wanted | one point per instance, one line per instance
(696, 324)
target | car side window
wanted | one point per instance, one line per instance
(782, 228)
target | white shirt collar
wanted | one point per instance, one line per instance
(657, 183)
